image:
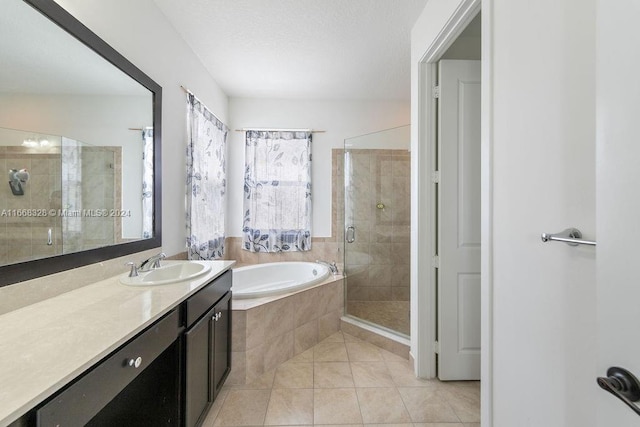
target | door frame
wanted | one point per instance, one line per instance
(424, 234)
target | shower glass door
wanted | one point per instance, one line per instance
(377, 211)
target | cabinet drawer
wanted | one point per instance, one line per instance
(201, 302)
(87, 396)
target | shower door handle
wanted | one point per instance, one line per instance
(351, 234)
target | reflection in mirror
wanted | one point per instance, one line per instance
(67, 196)
(77, 145)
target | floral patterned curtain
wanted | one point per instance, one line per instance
(147, 182)
(277, 191)
(206, 181)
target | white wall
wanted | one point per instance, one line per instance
(142, 34)
(541, 146)
(340, 119)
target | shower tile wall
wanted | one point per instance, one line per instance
(25, 237)
(378, 206)
(101, 189)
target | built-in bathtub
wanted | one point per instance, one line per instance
(279, 311)
(276, 278)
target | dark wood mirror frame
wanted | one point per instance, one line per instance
(14, 273)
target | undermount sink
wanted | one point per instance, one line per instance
(172, 273)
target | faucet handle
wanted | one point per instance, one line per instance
(134, 268)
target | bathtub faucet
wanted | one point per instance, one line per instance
(332, 265)
(152, 263)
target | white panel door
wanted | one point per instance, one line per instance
(459, 220)
(617, 199)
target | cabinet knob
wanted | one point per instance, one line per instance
(135, 363)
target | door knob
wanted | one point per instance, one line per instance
(623, 385)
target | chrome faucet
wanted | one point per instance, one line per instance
(332, 265)
(152, 263)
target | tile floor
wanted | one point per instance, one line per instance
(349, 382)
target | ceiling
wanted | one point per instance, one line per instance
(301, 49)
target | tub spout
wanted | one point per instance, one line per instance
(332, 265)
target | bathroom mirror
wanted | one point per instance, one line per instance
(80, 132)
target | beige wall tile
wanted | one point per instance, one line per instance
(278, 350)
(278, 318)
(305, 337)
(306, 307)
(331, 297)
(255, 327)
(239, 368)
(239, 330)
(255, 363)
(329, 324)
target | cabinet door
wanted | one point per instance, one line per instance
(197, 370)
(221, 339)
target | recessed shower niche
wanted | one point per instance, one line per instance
(69, 201)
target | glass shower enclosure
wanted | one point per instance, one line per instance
(376, 216)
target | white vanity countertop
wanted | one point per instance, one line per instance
(46, 345)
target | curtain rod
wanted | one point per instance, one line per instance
(282, 130)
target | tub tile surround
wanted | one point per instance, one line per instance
(322, 248)
(378, 290)
(269, 331)
(345, 381)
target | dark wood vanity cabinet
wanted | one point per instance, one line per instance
(137, 385)
(207, 347)
(167, 375)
